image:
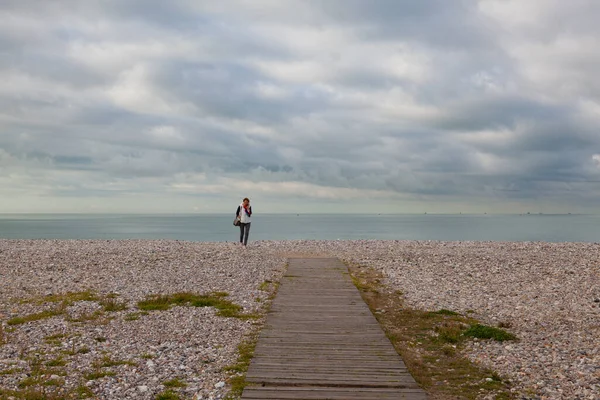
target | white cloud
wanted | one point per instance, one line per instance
(289, 189)
(320, 101)
(166, 135)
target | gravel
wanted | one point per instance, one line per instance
(547, 293)
(188, 343)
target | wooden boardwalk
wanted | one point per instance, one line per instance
(322, 342)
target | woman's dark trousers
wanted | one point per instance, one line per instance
(244, 232)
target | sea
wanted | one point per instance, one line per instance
(219, 227)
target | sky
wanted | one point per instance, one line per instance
(350, 106)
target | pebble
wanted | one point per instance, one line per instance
(547, 293)
(188, 343)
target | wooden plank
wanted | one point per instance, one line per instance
(321, 341)
(295, 393)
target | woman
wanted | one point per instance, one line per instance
(244, 213)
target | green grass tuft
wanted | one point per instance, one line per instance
(54, 382)
(132, 317)
(449, 333)
(10, 371)
(443, 311)
(3, 338)
(168, 395)
(94, 316)
(436, 361)
(175, 383)
(106, 361)
(489, 332)
(215, 299)
(238, 382)
(67, 298)
(83, 392)
(57, 362)
(90, 376)
(112, 305)
(55, 340)
(29, 381)
(35, 317)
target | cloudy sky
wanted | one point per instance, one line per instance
(316, 105)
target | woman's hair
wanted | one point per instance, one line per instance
(246, 199)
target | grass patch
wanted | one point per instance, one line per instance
(57, 362)
(66, 298)
(3, 338)
(449, 332)
(132, 316)
(215, 299)
(274, 290)
(148, 356)
(83, 392)
(265, 286)
(364, 285)
(430, 343)
(86, 317)
(489, 332)
(29, 381)
(108, 303)
(90, 376)
(55, 337)
(43, 393)
(73, 351)
(100, 339)
(54, 382)
(238, 379)
(112, 305)
(107, 361)
(168, 395)
(245, 354)
(175, 383)
(10, 371)
(39, 386)
(36, 316)
(55, 340)
(443, 311)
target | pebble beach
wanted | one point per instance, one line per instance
(548, 294)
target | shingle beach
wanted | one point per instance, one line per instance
(547, 293)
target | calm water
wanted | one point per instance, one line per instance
(551, 228)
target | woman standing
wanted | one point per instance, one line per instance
(244, 213)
